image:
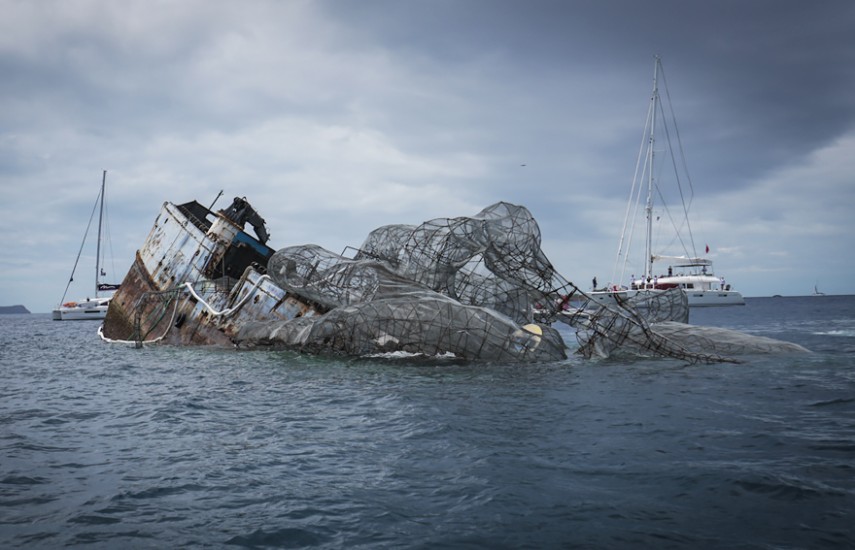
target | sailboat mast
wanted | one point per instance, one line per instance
(648, 247)
(98, 245)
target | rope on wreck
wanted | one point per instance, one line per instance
(201, 300)
(232, 309)
(139, 343)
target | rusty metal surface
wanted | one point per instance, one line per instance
(154, 303)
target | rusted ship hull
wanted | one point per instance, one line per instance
(196, 280)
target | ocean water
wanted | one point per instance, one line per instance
(106, 446)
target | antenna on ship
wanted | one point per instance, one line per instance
(220, 194)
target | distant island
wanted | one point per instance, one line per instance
(13, 309)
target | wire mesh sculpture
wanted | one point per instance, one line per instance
(467, 286)
(491, 259)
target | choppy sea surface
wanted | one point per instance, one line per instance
(106, 446)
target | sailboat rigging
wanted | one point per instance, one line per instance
(689, 272)
(89, 308)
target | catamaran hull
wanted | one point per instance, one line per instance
(715, 298)
(697, 298)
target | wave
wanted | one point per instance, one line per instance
(848, 333)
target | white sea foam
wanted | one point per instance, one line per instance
(847, 333)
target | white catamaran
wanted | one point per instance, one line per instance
(689, 272)
(90, 307)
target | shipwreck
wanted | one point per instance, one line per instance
(477, 288)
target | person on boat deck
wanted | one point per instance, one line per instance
(595, 283)
(670, 271)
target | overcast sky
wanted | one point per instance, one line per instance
(334, 118)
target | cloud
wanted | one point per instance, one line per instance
(334, 118)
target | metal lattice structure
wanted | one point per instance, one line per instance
(467, 286)
(492, 259)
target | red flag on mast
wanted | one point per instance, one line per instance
(708, 249)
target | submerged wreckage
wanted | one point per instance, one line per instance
(478, 288)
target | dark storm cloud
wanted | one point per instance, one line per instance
(768, 72)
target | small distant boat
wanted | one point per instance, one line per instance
(689, 272)
(89, 308)
(816, 291)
